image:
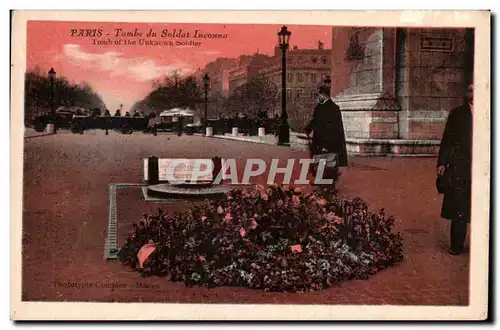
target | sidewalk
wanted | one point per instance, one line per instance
(31, 133)
(297, 141)
(404, 187)
(355, 146)
(267, 139)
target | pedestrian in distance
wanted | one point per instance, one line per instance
(180, 124)
(106, 125)
(454, 171)
(275, 124)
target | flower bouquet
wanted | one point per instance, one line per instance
(275, 238)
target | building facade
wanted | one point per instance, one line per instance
(306, 70)
(396, 86)
(219, 78)
(248, 67)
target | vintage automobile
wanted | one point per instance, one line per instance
(126, 125)
(62, 120)
(191, 129)
(169, 120)
(79, 119)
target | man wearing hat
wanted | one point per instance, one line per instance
(327, 130)
(454, 171)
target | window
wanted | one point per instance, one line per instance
(300, 77)
(312, 94)
(314, 60)
(313, 77)
(289, 94)
(323, 59)
(290, 77)
(300, 93)
(289, 60)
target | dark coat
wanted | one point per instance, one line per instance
(456, 153)
(328, 131)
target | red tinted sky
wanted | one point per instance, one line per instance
(124, 73)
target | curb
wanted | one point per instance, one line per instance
(39, 135)
(393, 155)
(303, 147)
(243, 139)
(111, 247)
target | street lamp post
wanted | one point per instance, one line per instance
(52, 80)
(206, 83)
(284, 129)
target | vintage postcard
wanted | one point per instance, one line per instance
(250, 165)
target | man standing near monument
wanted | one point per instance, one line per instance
(328, 135)
(454, 171)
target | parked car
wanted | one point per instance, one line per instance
(190, 129)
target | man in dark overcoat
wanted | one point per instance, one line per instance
(327, 130)
(455, 155)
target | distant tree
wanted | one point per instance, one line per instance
(37, 93)
(299, 113)
(171, 92)
(256, 95)
(216, 107)
(142, 107)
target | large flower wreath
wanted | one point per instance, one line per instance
(276, 238)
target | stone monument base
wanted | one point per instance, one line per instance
(393, 147)
(379, 147)
(184, 191)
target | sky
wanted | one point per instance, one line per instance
(123, 73)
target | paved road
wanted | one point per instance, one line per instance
(66, 180)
